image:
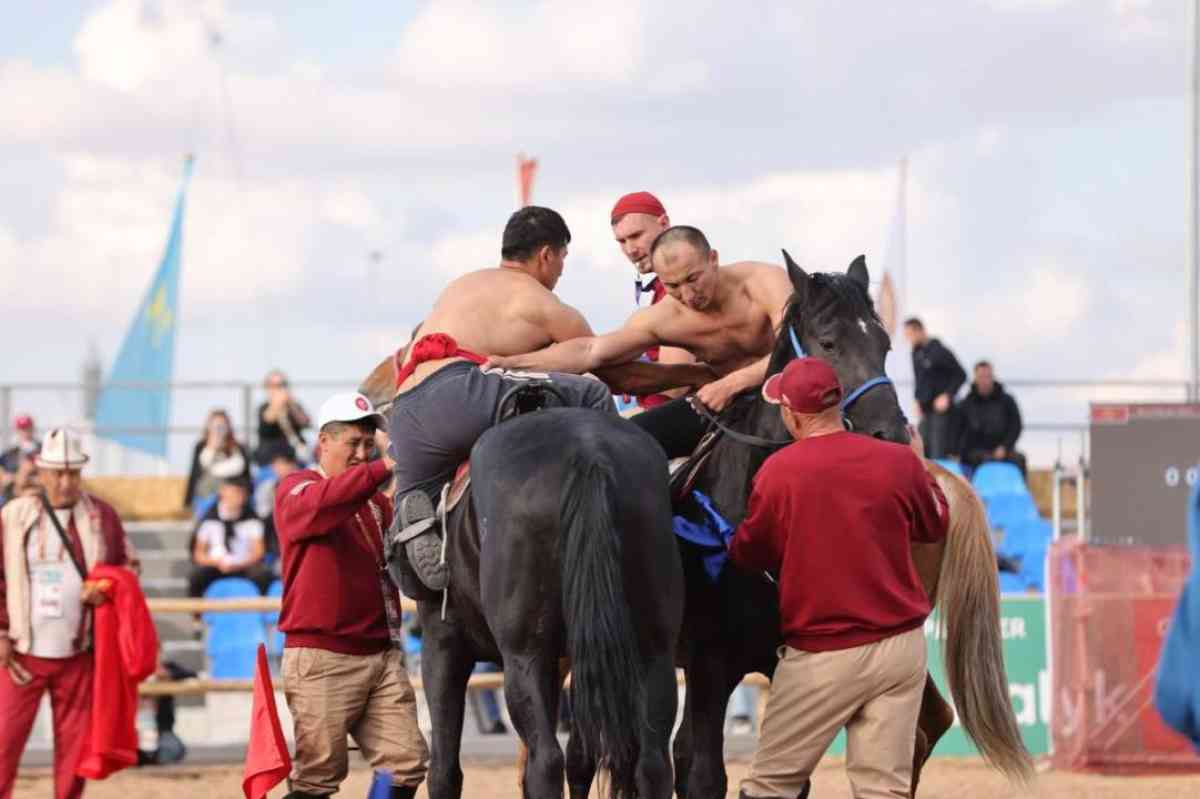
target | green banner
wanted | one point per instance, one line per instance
(1023, 627)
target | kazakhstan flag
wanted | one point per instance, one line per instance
(134, 407)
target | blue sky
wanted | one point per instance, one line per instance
(1046, 141)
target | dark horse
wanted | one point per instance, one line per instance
(563, 549)
(732, 629)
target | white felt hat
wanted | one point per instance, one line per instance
(61, 449)
(348, 407)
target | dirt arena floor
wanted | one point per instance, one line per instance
(945, 778)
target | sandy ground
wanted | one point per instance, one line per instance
(945, 778)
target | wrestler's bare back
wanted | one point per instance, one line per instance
(495, 312)
(737, 333)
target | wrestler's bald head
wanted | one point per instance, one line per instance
(687, 266)
(680, 234)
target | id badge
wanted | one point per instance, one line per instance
(48, 604)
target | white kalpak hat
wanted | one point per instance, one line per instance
(348, 407)
(61, 449)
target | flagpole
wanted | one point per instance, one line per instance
(902, 238)
(1192, 295)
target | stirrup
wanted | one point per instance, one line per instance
(422, 540)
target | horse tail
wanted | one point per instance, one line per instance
(607, 686)
(968, 598)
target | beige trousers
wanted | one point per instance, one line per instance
(368, 697)
(874, 691)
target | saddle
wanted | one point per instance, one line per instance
(532, 393)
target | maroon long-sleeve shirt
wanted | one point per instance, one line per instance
(835, 516)
(331, 546)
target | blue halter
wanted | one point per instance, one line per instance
(855, 395)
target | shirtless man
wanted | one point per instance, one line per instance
(724, 316)
(637, 220)
(445, 401)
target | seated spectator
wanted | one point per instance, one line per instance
(282, 462)
(229, 541)
(281, 420)
(25, 482)
(27, 445)
(989, 423)
(217, 456)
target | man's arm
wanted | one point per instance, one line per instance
(3, 592)
(756, 544)
(770, 290)
(931, 517)
(642, 377)
(675, 355)
(1015, 426)
(577, 350)
(307, 508)
(950, 363)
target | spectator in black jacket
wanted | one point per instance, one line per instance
(989, 422)
(938, 376)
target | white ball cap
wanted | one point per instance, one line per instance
(348, 407)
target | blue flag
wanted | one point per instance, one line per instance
(147, 355)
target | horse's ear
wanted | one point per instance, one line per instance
(858, 272)
(797, 275)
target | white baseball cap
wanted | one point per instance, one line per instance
(61, 449)
(348, 407)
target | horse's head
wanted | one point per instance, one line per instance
(831, 316)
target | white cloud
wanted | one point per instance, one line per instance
(463, 43)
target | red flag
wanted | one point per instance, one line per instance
(887, 304)
(526, 168)
(267, 760)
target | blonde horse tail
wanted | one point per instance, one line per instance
(968, 600)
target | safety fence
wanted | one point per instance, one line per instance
(1023, 625)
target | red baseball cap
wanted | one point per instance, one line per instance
(23, 422)
(806, 385)
(640, 202)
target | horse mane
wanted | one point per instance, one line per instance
(829, 290)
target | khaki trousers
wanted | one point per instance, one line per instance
(874, 691)
(368, 697)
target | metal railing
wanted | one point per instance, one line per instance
(1055, 410)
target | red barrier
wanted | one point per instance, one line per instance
(1109, 609)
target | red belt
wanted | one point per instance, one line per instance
(433, 347)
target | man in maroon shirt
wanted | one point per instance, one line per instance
(637, 219)
(343, 660)
(834, 516)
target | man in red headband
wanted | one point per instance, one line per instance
(445, 402)
(637, 219)
(725, 317)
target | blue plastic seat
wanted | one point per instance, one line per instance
(1028, 540)
(1009, 510)
(996, 477)
(233, 638)
(270, 620)
(1011, 583)
(950, 466)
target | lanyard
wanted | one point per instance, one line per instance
(66, 541)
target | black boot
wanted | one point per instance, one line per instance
(303, 795)
(404, 791)
(418, 531)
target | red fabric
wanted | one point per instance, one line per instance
(331, 597)
(834, 516)
(640, 202)
(69, 681)
(267, 760)
(654, 400)
(126, 652)
(433, 347)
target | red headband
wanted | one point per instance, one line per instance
(640, 202)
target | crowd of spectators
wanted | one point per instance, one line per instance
(984, 426)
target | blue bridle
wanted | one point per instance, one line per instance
(855, 395)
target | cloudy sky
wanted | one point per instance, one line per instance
(1046, 138)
